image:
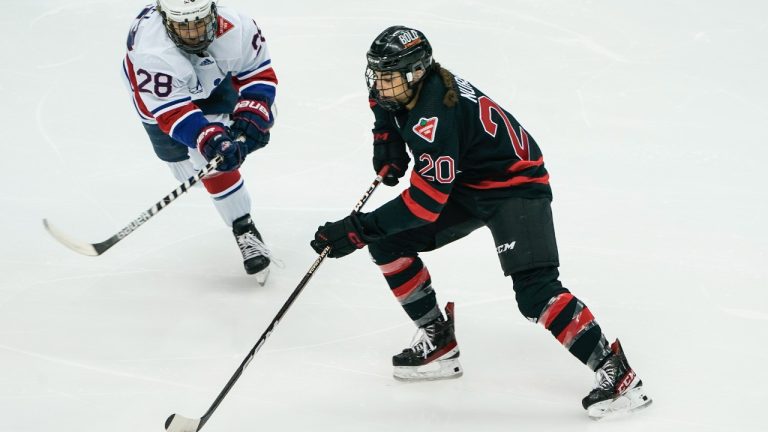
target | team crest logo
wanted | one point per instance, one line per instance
(426, 128)
(224, 26)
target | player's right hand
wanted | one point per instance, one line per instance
(389, 149)
(213, 141)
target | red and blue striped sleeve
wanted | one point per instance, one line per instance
(174, 112)
(256, 78)
(259, 83)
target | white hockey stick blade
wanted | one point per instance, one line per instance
(178, 423)
(261, 277)
(79, 247)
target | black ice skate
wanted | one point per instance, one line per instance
(618, 387)
(434, 353)
(256, 256)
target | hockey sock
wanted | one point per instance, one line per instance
(227, 189)
(410, 283)
(574, 326)
(183, 170)
(229, 194)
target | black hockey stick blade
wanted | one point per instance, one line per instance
(90, 249)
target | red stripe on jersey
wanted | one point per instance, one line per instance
(135, 87)
(265, 75)
(419, 183)
(396, 266)
(515, 181)
(575, 327)
(417, 209)
(221, 181)
(167, 120)
(553, 309)
(524, 165)
(403, 291)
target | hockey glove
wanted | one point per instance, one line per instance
(389, 149)
(388, 145)
(252, 119)
(344, 237)
(213, 141)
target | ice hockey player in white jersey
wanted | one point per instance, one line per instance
(202, 82)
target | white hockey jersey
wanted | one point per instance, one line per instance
(165, 81)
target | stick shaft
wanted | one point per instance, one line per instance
(285, 307)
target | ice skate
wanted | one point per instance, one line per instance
(618, 389)
(256, 256)
(433, 355)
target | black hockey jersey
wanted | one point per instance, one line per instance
(474, 148)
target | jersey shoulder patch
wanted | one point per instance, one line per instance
(223, 26)
(426, 128)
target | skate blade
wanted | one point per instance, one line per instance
(261, 277)
(436, 370)
(631, 401)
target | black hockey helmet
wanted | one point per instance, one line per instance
(397, 49)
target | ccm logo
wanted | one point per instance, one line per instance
(505, 247)
(253, 106)
(626, 382)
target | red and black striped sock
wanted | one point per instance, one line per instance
(410, 283)
(574, 326)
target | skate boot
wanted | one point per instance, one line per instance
(619, 389)
(433, 355)
(256, 256)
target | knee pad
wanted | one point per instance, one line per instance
(381, 255)
(534, 288)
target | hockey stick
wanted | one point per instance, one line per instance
(96, 249)
(179, 423)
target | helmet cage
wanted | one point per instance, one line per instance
(192, 36)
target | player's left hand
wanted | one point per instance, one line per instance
(344, 237)
(252, 119)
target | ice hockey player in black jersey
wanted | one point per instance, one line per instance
(474, 166)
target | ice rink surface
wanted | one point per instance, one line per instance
(651, 116)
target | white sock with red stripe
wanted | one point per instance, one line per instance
(234, 206)
(227, 189)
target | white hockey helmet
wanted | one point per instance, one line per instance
(191, 24)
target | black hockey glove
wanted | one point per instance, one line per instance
(388, 145)
(344, 237)
(389, 149)
(252, 119)
(213, 141)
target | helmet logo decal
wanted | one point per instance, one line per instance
(409, 38)
(426, 128)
